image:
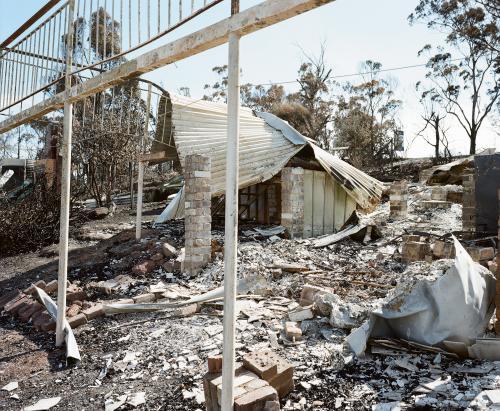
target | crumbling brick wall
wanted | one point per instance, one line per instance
(469, 203)
(198, 219)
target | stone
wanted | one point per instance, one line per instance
(77, 320)
(301, 314)
(144, 298)
(169, 251)
(94, 311)
(309, 293)
(157, 258)
(186, 310)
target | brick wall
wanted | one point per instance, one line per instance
(292, 200)
(198, 219)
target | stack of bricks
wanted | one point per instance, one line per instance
(469, 203)
(398, 197)
(251, 393)
(292, 200)
(497, 297)
(23, 306)
(198, 218)
(443, 249)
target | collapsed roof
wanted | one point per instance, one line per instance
(267, 144)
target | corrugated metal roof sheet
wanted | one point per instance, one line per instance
(267, 143)
(200, 127)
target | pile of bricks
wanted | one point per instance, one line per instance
(24, 306)
(443, 249)
(259, 382)
(429, 204)
(292, 200)
(398, 196)
(198, 217)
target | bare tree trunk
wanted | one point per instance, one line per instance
(473, 137)
(438, 137)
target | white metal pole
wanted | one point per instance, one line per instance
(142, 164)
(65, 187)
(140, 185)
(231, 222)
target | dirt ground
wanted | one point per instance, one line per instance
(169, 353)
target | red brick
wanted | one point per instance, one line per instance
(8, 297)
(77, 320)
(261, 363)
(255, 400)
(186, 310)
(215, 364)
(49, 325)
(73, 310)
(41, 319)
(78, 295)
(94, 312)
(26, 313)
(13, 306)
(51, 287)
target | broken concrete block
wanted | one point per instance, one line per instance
(93, 312)
(157, 258)
(144, 298)
(77, 295)
(169, 251)
(309, 292)
(215, 364)
(292, 331)
(261, 363)
(272, 406)
(443, 249)
(77, 320)
(41, 318)
(301, 314)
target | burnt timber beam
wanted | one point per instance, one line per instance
(248, 21)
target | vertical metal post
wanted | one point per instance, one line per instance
(231, 217)
(65, 186)
(142, 164)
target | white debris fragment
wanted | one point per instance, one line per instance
(11, 386)
(44, 404)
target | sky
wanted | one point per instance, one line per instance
(352, 30)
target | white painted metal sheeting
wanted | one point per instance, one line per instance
(200, 127)
(267, 143)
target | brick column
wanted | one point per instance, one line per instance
(198, 219)
(398, 197)
(292, 200)
(469, 203)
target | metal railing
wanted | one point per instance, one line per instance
(105, 31)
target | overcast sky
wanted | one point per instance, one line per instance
(353, 31)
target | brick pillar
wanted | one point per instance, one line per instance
(292, 200)
(398, 196)
(469, 203)
(198, 219)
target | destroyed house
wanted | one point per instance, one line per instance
(284, 177)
